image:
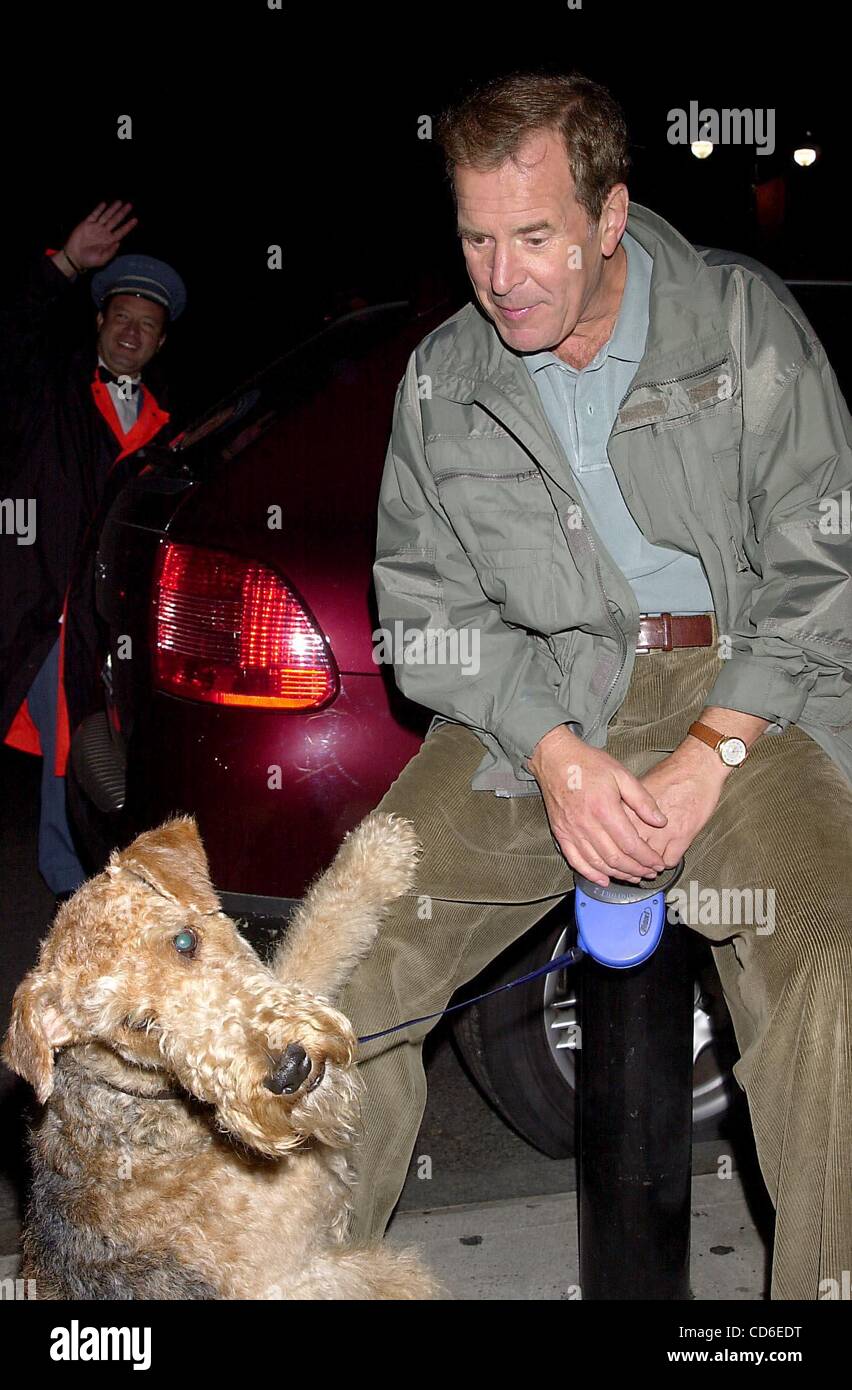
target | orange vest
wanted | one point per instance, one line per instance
(23, 733)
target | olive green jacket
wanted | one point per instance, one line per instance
(733, 443)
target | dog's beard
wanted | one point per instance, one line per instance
(236, 1073)
(326, 1111)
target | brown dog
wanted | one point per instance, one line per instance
(200, 1109)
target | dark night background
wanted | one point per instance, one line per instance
(299, 127)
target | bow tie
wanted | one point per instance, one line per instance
(110, 378)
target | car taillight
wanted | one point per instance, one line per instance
(231, 632)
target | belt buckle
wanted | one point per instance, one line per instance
(667, 643)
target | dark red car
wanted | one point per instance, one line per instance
(235, 584)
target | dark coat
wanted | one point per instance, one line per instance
(58, 448)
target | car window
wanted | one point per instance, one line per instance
(300, 371)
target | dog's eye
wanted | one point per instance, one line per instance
(185, 942)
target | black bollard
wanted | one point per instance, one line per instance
(634, 1102)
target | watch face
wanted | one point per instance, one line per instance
(732, 751)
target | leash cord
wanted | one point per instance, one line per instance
(571, 957)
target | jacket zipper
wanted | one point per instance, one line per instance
(474, 473)
(622, 640)
(666, 381)
(669, 381)
(531, 473)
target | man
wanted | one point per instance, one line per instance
(609, 471)
(74, 419)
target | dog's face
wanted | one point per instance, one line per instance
(143, 961)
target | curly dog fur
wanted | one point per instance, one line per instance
(200, 1109)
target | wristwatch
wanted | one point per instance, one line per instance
(732, 751)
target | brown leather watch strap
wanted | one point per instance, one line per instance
(666, 631)
(711, 737)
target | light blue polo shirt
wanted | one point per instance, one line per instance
(582, 406)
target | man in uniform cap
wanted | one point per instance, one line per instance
(144, 278)
(75, 417)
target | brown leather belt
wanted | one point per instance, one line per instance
(665, 631)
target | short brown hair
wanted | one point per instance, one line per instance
(489, 125)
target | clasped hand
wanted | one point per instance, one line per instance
(609, 823)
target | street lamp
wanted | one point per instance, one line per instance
(806, 153)
(702, 147)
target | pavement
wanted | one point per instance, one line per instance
(526, 1248)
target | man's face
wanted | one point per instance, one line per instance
(528, 245)
(130, 331)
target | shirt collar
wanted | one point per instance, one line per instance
(134, 380)
(627, 342)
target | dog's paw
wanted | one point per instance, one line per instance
(381, 855)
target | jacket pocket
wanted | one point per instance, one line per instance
(498, 513)
(494, 497)
(519, 581)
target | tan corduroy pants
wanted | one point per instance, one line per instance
(492, 869)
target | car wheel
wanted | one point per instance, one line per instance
(519, 1045)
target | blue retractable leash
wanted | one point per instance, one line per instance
(619, 925)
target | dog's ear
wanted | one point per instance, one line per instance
(171, 860)
(37, 1029)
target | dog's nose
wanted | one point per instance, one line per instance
(292, 1068)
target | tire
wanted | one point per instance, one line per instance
(509, 1043)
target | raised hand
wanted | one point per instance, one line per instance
(96, 239)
